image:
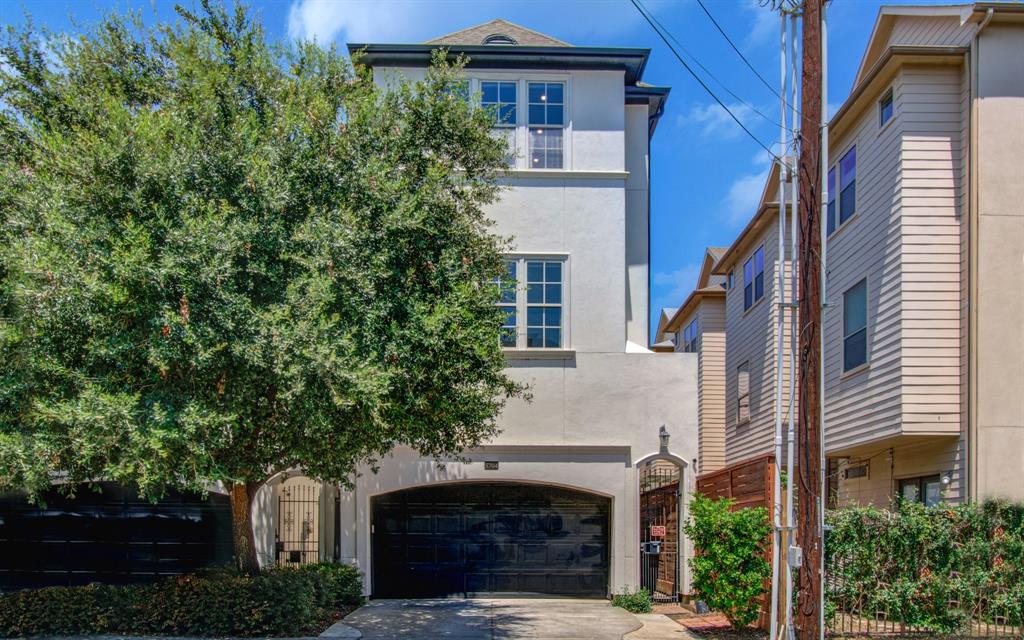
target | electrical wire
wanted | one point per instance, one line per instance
(697, 62)
(640, 8)
(738, 52)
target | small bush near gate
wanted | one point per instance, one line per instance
(290, 601)
(634, 601)
(944, 569)
(729, 568)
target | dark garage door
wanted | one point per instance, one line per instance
(489, 537)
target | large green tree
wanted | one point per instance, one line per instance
(223, 258)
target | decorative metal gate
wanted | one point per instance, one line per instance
(298, 521)
(659, 530)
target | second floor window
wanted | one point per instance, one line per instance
(855, 326)
(753, 278)
(689, 343)
(743, 393)
(885, 108)
(499, 99)
(532, 297)
(846, 174)
(546, 122)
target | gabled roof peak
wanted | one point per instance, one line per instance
(499, 32)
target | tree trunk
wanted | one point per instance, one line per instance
(241, 526)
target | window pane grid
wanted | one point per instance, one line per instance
(855, 323)
(753, 279)
(507, 303)
(544, 304)
(545, 119)
(499, 98)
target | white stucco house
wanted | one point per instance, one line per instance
(552, 505)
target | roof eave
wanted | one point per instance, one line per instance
(755, 225)
(696, 296)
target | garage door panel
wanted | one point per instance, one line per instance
(490, 537)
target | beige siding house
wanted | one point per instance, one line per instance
(924, 343)
(698, 326)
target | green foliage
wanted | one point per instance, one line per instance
(278, 602)
(221, 258)
(638, 601)
(937, 568)
(729, 568)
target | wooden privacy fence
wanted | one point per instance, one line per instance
(750, 484)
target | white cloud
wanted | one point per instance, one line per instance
(359, 20)
(674, 286)
(744, 195)
(714, 121)
(764, 27)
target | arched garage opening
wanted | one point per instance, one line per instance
(478, 538)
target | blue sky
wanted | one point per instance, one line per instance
(707, 175)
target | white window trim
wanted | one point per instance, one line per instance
(753, 278)
(522, 138)
(891, 94)
(521, 258)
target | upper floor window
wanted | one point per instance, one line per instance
(500, 99)
(729, 280)
(847, 194)
(533, 305)
(546, 121)
(689, 342)
(753, 278)
(855, 326)
(885, 108)
(743, 393)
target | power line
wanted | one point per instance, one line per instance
(650, 21)
(712, 75)
(738, 52)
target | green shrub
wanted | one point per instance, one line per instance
(276, 602)
(634, 601)
(935, 568)
(729, 568)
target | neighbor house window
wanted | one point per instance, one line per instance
(690, 337)
(855, 326)
(925, 489)
(885, 108)
(743, 393)
(499, 99)
(532, 294)
(546, 119)
(729, 281)
(845, 173)
(753, 279)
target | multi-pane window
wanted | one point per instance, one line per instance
(855, 326)
(546, 119)
(507, 302)
(499, 99)
(743, 393)
(885, 108)
(753, 278)
(845, 172)
(533, 304)
(925, 489)
(689, 342)
(544, 303)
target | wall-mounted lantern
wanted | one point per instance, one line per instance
(663, 437)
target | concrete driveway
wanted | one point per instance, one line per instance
(492, 619)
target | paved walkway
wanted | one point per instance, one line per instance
(492, 619)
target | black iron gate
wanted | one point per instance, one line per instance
(659, 530)
(298, 523)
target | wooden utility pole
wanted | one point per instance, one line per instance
(808, 619)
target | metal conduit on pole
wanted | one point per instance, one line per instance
(779, 326)
(822, 466)
(793, 323)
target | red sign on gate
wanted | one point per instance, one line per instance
(657, 531)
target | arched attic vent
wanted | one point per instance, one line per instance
(499, 38)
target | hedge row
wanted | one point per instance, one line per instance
(276, 602)
(941, 568)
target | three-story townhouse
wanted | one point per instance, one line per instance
(551, 505)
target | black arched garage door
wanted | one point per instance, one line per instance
(489, 537)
